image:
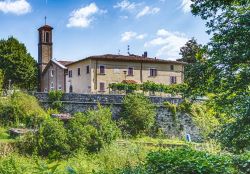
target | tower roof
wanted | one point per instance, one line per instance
(45, 27)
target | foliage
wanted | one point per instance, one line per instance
(50, 140)
(189, 51)
(173, 109)
(242, 163)
(92, 130)
(21, 108)
(150, 87)
(235, 136)
(17, 65)
(226, 69)
(55, 98)
(1, 80)
(187, 161)
(138, 113)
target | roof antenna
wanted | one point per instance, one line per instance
(128, 50)
(45, 19)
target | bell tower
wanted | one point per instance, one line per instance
(44, 46)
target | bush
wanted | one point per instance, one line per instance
(50, 140)
(21, 108)
(138, 113)
(55, 98)
(92, 130)
(242, 163)
(176, 161)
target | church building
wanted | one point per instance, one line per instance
(94, 74)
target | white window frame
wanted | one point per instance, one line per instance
(52, 73)
(52, 86)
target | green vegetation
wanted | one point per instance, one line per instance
(17, 65)
(55, 98)
(1, 81)
(150, 87)
(20, 109)
(138, 114)
(93, 130)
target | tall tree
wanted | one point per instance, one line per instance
(189, 51)
(18, 66)
(194, 69)
(228, 63)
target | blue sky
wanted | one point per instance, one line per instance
(91, 27)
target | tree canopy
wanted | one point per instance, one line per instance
(18, 66)
(226, 70)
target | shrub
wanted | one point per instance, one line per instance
(138, 113)
(242, 163)
(55, 98)
(235, 136)
(176, 161)
(50, 140)
(21, 108)
(92, 130)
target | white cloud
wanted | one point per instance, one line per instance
(84, 16)
(124, 17)
(17, 7)
(168, 43)
(147, 11)
(185, 6)
(129, 35)
(126, 5)
(141, 36)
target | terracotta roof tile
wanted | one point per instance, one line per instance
(133, 58)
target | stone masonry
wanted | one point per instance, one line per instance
(183, 125)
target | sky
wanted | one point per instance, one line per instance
(93, 27)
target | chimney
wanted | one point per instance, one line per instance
(145, 54)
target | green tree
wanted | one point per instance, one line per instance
(92, 130)
(195, 70)
(50, 140)
(17, 65)
(1, 80)
(138, 113)
(227, 70)
(189, 51)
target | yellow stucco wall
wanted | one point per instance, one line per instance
(114, 73)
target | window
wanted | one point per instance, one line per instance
(87, 69)
(47, 37)
(102, 87)
(116, 71)
(173, 80)
(52, 73)
(51, 86)
(45, 90)
(172, 67)
(70, 73)
(59, 87)
(102, 69)
(130, 71)
(70, 88)
(153, 72)
(79, 71)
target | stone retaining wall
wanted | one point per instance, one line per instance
(183, 125)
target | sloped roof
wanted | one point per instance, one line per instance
(64, 62)
(133, 58)
(46, 27)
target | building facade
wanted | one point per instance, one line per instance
(95, 73)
